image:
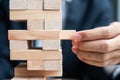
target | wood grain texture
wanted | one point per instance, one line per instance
(52, 24)
(40, 34)
(37, 78)
(20, 78)
(23, 15)
(18, 45)
(49, 65)
(35, 55)
(33, 34)
(35, 65)
(18, 4)
(35, 4)
(36, 24)
(53, 65)
(52, 4)
(21, 71)
(51, 44)
(66, 34)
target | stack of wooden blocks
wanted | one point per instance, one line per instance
(44, 22)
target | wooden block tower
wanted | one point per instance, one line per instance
(44, 22)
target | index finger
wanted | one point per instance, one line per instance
(100, 33)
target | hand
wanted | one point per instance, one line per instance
(99, 46)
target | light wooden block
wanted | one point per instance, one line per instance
(53, 65)
(18, 45)
(52, 4)
(35, 55)
(24, 15)
(21, 71)
(35, 4)
(53, 24)
(37, 78)
(17, 4)
(51, 44)
(20, 78)
(40, 34)
(35, 24)
(35, 65)
(66, 34)
(29, 78)
(33, 34)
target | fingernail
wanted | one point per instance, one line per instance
(77, 36)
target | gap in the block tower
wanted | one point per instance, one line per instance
(35, 44)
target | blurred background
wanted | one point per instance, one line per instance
(116, 9)
(3, 33)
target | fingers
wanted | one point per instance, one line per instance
(93, 56)
(99, 59)
(95, 46)
(74, 50)
(101, 32)
(98, 56)
(100, 45)
(111, 62)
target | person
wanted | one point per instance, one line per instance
(77, 15)
(95, 45)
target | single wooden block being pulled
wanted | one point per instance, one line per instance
(18, 4)
(35, 4)
(36, 24)
(21, 71)
(52, 4)
(35, 55)
(18, 44)
(40, 34)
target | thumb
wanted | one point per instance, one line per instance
(75, 39)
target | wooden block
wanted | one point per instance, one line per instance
(35, 65)
(17, 4)
(51, 44)
(20, 78)
(35, 55)
(53, 65)
(50, 65)
(53, 24)
(52, 4)
(34, 14)
(33, 34)
(37, 78)
(35, 24)
(40, 34)
(66, 34)
(18, 45)
(21, 71)
(35, 4)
